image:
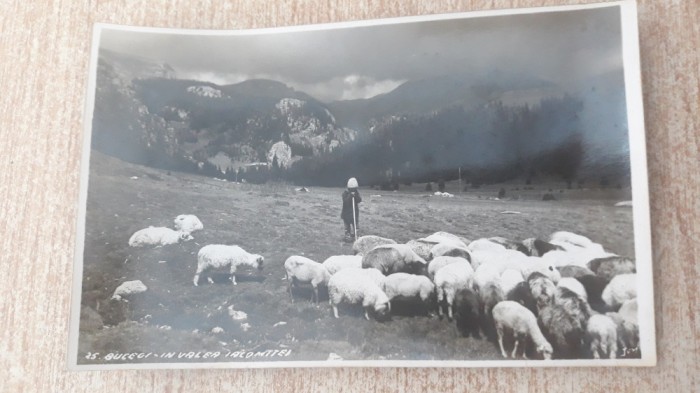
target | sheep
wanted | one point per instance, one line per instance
(601, 334)
(374, 275)
(621, 288)
(217, 256)
(408, 286)
(447, 249)
(489, 296)
(531, 265)
(542, 289)
(501, 258)
(575, 256)
(365, 244)
(573, 285)
(466, 312)
(302, 269)
(509, 279)
(517, 320)
(572, 241)
(574, 305)
(445, 237)
(394, 258)
(594, 286)
(522, 294)
(574, 271)
(129, 288)
(353, 286)
(336, 263)
(187, 223)
(158, 236)
(538, 247)
(609, 267)
(484, 245)
(563, 330)
(440, 262)
(420, 247)
(448, 281)
(510, 244)
(628, 313)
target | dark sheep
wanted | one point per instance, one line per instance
(610, 267)
(562, 330)
(466, 306)
(574, 271)
(594, 286)
(521, 293)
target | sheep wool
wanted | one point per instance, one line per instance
(157, 236)
(129, 288)
(621, 288)
(336, 263)
(300, 269)
(408, 286)
(449, 280)
(219, 256)
(601, 334)
(442, 261)
(394, 258)
(512, 317)
(365, 244)
(352, 286)
(188, 223)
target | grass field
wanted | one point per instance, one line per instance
(276, 221)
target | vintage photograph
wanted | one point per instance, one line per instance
(449, 190)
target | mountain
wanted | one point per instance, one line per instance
(142, 111)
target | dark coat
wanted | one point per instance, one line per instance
(346, 213)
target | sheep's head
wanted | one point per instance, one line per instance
(258, 261)
(382, 308)
(184, 236)
(545, 350)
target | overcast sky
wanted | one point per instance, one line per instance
(360, 62)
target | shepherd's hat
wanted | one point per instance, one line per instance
(352, 183)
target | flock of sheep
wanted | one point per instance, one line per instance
(565, 297)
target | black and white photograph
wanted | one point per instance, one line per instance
(454, 190)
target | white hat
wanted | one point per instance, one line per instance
(352, 183)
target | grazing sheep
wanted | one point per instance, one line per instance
(394, 258)
(442, 261)
(601, 334)
(628, 312)
(510, 244)
(531, 265)
(484, 245)
(218, 256)
(574, 271)
(542, 288)
(188, 223)
(365, 244)
(129, 288)
(449, 250)
(513, 318)
(510, 278)
(353, 286)
(445, 237)
(420, 247)
(522, 294)
(573, 285)
(574, 305)
(406, 285)
(563, 331)
(537, 247)
(304, 270)
(610, 267)
(621, 288)
(571, 241)
(336, 263)
(374, 275)
(466, 312)
(157, 236)
(594, 286)
(448, 281)
(489, 296)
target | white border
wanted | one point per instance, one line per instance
(640, 192)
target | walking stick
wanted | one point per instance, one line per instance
(354, 217)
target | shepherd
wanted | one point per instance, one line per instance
(351, 212)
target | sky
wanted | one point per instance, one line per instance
(566, 47)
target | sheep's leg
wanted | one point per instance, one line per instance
(210, 280)
(233, 274)
(515, 347)
(315, 295)
(289, 286)
(499, 330)
(366, 315)
(196, 279)
(613, 350)
(335, 310)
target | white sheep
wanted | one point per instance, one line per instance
(510, 244)
(621, 288)
(420, 247)
(509, 279)
(353, 286)
(336, 263)
(408, 286)
(218, 256)
(393, 258)
(517, 320)
(501, 258)
(188, 223)
(440, 262)
(305, 270)
(531, 265)
(574, 286)
(365, 244)
(484, 245)
(129, 288)
(446, 237)
(449, 280)
(572, 241)
(450, 250)
(157, 236)
(574, 256)
(601, 334)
